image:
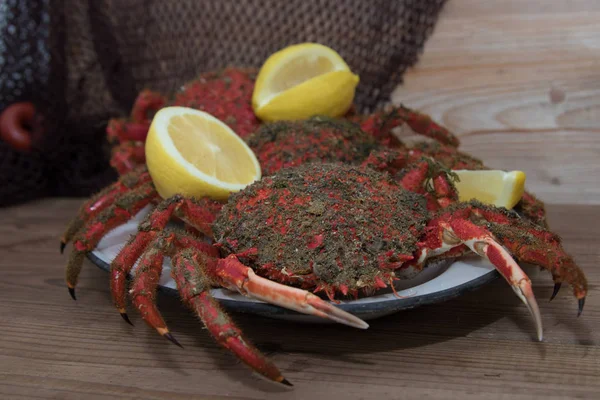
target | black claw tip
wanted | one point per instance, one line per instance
(286, 382)
(126, 318)
(172, 339)
(62, 247)
(556, 289)
(72, 293)
(581, 303)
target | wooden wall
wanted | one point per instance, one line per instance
(519, 82)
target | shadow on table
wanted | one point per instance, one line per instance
(419, 327)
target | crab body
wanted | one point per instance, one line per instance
(316, 227)
(286, 144)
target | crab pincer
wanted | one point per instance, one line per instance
(480, 241)
(191, 275)
(238, 277)
(503, 238)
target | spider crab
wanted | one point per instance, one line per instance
(226, 94)
(309, 226)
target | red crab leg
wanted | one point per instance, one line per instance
(143, 291)
(123, 210)
(154, 223)
(98, 203)
(432, 179)
(146, 104)
(451, 158)
(450, 231)
(533, 209)
(535, 245)
(380, 125)
(120, 130)
(199, 214)
(236, 276)
(145, 282)
(127, 156)
(122, 264)
(193, 284)
(418, 174)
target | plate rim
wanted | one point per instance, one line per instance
(389, 306)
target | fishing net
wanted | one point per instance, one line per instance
(82, 62)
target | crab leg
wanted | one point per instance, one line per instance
(432, 179)
(120, 130)
(98, 203)
(380, 125)
(452, 232)
(533, 209)
(127, 156)
(143, 291)
(145, 282)
(87, 239)
(136, 127)
(192, 281)
(135, 247)
(533, 244)
(236, 276)
(453, 159)
(198, 213)
(122, 264)
(417, 173)
(146, 104)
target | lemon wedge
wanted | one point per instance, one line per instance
(303, 80)
(495, 187)
(192, 153)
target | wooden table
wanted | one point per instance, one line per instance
(519, 82)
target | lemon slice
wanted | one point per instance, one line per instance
(192, 153)
(303, 80)
(495, 187)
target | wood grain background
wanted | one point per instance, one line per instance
(519, 82)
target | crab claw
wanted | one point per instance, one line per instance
(525, 293)
(237, 276)
(510, 270)
(482, 243)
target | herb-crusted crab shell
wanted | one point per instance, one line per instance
(333, 227)
(286, 144)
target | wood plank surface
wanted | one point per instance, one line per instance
(519, 82)
(478, 346)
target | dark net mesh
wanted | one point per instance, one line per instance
(82, 62)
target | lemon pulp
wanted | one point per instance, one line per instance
(192, 153)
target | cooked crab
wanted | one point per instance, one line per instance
(286, 144)
(226, 95)
(307, 228)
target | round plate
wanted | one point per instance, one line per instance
(438, 282)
